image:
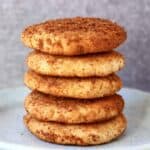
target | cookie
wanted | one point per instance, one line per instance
(72, 111)
(78, 66)
(84, 88)
(74, 36)
(82, 134)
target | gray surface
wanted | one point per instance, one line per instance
(133, 15)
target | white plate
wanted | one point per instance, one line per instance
(13, 134)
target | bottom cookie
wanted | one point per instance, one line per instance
(81, 134)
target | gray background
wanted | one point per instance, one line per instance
(134, 15)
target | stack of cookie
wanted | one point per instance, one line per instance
(72, 75)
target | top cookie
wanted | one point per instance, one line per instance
(74, 36)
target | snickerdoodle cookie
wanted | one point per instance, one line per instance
(79, 134)
(72, 111)
(101, 64)
(84, 88)
(74, 36)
